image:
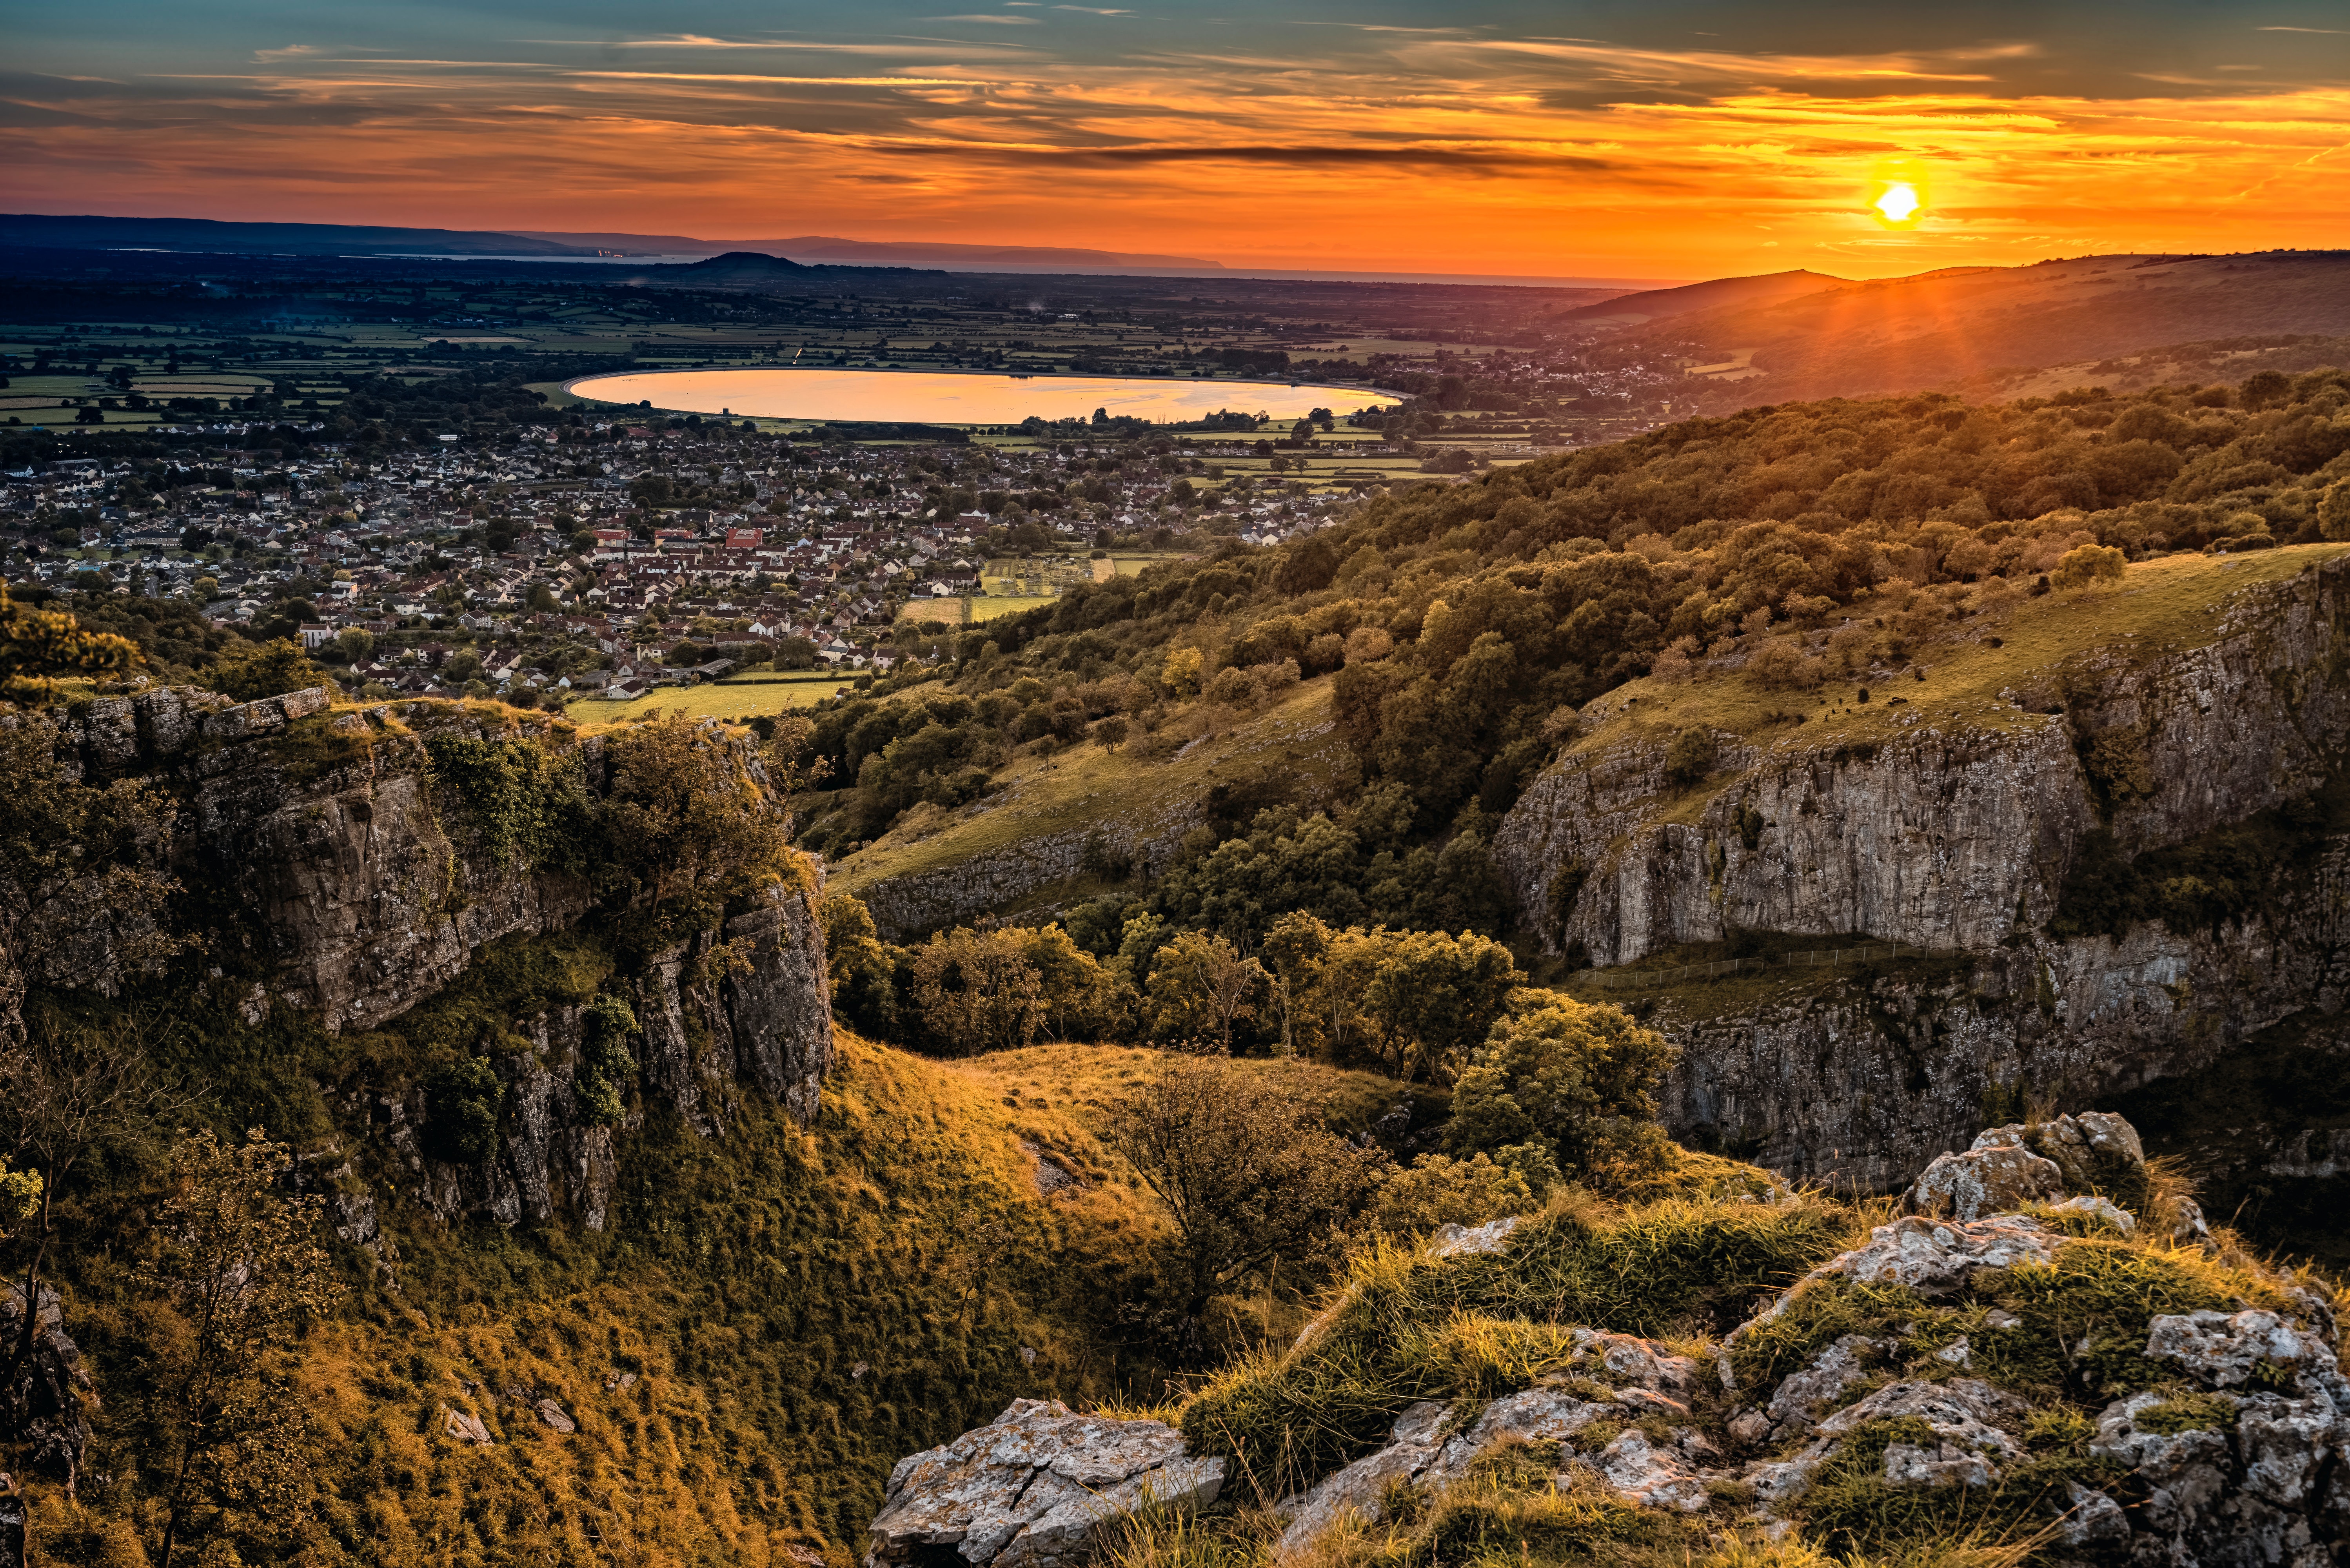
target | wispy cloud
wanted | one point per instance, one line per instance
(1469, 146)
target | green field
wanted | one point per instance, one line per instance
(738, 698)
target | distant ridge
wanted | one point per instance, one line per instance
(1721, 293)
(900, 253)
(35, 231)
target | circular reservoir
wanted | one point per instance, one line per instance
(947, 397)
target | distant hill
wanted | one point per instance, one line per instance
(831, 248)
(738, 266)
(1988, 325)
(35, 231)
(1723, 293)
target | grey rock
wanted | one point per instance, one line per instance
(554, 1416)
(1033, 1487)
(1469, 1240)
(1993, 1181)
(1628, 1360)
(1638, 1471)
(1359, 1490)
(1532, 1414)
(1802, 1395)
(2184, 1472)
(2092, 1520)
(2223, 1349)
(1966, 1414)
(1937, 1258)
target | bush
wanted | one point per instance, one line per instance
(1572, 1076)
(1439, 1190)
(270, 669)
(1690, 758)
(461, 1116)
(604, 1060)
(2087, 565)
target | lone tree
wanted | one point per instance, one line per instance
(1244, 1166)
(240, 1266)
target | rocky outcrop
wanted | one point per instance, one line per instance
(337, 880)
(1033, 1487)
(46, 1403)
(1946, 834)
(1963, 839)
(2015, 1374)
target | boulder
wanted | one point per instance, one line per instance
(1936, 1258)
(2098, 1209)
(1034, 1486)
(1638, 1470)
(1359, 1490)
(2224, 1349)
(1987, 1180)
(1454, 1241)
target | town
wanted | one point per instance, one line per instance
(591, 557)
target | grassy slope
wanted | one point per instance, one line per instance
(2164, 606)
(1124, 793)
(800, 1307)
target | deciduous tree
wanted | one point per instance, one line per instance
(1244, 1165)
(238, 1267)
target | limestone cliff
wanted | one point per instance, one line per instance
(334, 879)
(1962, 821)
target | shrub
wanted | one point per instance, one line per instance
(1690, 758)
(270, 669)
(1571, 1075)
(2086, 566)
(1440, 1190)
(605, 1063)
(461, 1116)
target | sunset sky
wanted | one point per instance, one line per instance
(1649, 139)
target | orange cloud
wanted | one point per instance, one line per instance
(1425, 150)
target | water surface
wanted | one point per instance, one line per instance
(949, 397)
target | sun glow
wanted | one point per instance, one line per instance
(1897, 194)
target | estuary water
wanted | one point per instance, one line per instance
(948, 398)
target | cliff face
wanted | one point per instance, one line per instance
(1950, 835)
(334, 879)
(1961, 833)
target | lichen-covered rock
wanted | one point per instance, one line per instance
(1800, 1396)
(1452, 1240)
(1996, 1179)
(1034, 1486)
(2223, 1350)
(1640, 1472)
(1937, 1258)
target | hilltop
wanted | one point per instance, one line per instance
(1941, 330)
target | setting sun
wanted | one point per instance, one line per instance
(1898, 205)
(1898, 193)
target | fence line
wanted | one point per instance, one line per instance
(1644, 979)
